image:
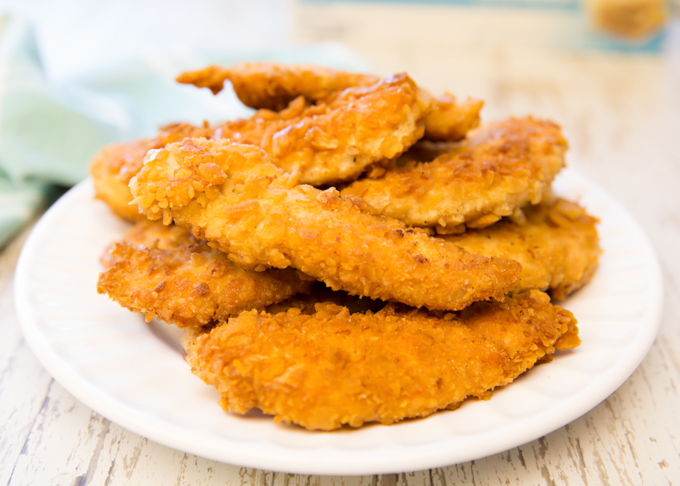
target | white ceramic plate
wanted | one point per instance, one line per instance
(134, 375)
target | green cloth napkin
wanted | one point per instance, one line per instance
(50, 131)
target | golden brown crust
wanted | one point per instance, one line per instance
(334, 140)
(232, 196)
(273, 86)
(165, 271)
(339, 136)
(502, 166)
(556, 242)
(114, 166)
(449, 120)
(111, 170)
(333, 367)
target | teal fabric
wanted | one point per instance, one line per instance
(50, 131)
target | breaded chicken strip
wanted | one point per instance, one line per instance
(114, 166)
(274, 86)
(164, 271)
(449, 120)
(501, 166)
(333, 367)
(556, 242)
(111, 170)
(334, 140)
(230, 195)
(341, 135)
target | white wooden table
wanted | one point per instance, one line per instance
(618, 113)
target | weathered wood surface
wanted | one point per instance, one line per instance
(618, 113)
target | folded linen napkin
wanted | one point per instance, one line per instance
(50, 130)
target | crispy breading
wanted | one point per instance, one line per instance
(114, 166)
(274, 86)
(165, 271)
(230, 195)
(111, 170)
(556, 242)
(340, 136)
(333, 140)
(450, 120)
(502, 165)
(334, 367)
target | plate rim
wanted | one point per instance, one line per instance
(428, 455)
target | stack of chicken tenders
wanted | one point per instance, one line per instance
(359, 250)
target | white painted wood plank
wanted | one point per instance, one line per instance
(70, 444)
(63, 428)
(23, 388)
(137, 461)
(23, 381)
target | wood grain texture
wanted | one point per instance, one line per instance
(617, 112)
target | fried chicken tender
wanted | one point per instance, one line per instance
(334, 367)
(111, 170)
(165, 271)
(450, 120)
(334, 140)
(230, 195)
(502, 166)
(556, 242)
(340, 136)
(274, 86)
(114, 166)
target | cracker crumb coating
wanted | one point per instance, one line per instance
(114, 166)
(556, 242)
(333, 140)
(501, 166)
(331, 367)
(231, 196)
(450, 120)
(339, 136)
(274, 86)
(164, 271)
